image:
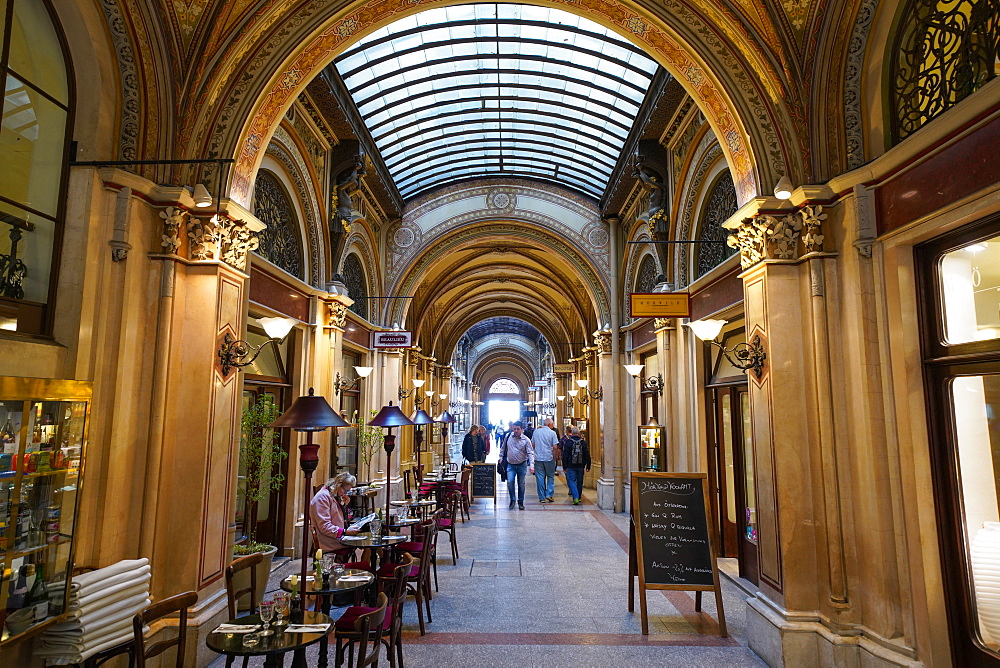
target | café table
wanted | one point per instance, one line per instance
(274, 647)
(367, 541)
(335, 585)
(401, 522)
(421, 506)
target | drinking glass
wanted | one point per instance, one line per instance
(328, 562)
(266, 611)
(338, 571)
(251, 639)
(281, 605)
(376, 526)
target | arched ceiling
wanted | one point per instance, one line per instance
(502, 325)
(461, 280)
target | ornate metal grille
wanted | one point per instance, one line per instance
(945, 51)
(357, 286)
(280, 242)
(720, 205)
(645, 279)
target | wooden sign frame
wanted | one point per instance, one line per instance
(659, 304)
(493, 475)
(636, 561)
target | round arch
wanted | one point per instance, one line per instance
(745, 99)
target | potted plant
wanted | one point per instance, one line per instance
(370, 439)
(260, 452)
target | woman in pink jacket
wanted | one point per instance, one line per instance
(329, 513)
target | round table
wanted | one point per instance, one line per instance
(374, 543)
(274, 647)
(336, 585)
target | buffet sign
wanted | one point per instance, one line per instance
(671, 546)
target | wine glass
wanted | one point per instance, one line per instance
(376, 526)
(281, 605)
(266, 611)
(338, 571)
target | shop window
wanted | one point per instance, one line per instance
(33, 147)
(945, 50)
(961, 336)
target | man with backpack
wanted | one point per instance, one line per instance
(519, 454)
(575, 460)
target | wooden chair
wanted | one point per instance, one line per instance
(419, 582)
(446, 523)
(233, 595)
(366, 627)
(394, 587)
(179, 604)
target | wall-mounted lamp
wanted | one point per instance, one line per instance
(202, 198)
(653, 383)
(748, 356)
(340, 383)
(595, 394)
(415, 392)
(783, 188)
(584, 400)
(233, 353)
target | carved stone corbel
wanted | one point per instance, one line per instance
(766, 237)
(338, 315)
(119, 237)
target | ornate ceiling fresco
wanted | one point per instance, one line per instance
(225, 70)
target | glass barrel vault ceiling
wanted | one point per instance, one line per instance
(497, 90)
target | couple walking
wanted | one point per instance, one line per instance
(539, 456)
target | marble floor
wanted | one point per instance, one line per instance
(547, 586)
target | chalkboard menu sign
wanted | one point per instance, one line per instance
(671, 544)
(673, 527)
(484, 481)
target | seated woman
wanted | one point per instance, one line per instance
(329, 513)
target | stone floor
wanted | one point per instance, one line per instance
(547, 586)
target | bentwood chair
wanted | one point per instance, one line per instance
(394, 587)
(168, 606)
(233, 595)
(366, 627)
(447, 522)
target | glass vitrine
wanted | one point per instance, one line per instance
(652, 448)
(43, 427)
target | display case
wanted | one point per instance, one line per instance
(652, 448)
(43, 432)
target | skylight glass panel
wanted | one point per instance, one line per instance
(485, 89)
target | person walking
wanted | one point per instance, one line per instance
(575, 459)
(471, 446)
(546, 444)
(520, 456)
(484, 438)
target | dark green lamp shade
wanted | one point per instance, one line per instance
(390, 416)
(447, 418)
(310, 413)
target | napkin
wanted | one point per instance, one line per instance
(237, 628)
(307, 628)
(354, 578)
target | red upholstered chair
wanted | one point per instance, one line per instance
(365, 625)
(394, 587)
(419, 580)
(446, 523)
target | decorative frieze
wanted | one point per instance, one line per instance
(767, 237)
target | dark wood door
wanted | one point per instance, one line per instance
(734, 477)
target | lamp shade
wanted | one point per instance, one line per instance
(363, 371)
(421, 417)
(706, 330)
(447, 418)
(634, 369)
(418, 382)
(277, 328)
(390, 416)
(310, 413)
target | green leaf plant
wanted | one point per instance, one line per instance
(260, 451)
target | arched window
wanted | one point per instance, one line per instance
(945, 50)
(357, 285)
(504, 386)
(280, 243)
(645, 279)
(33, 157)
(719, 206)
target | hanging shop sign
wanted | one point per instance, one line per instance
(566, 367)
(393, 339)
(660, 304)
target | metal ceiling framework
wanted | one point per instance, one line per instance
(478, 90)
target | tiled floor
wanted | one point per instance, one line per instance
(547, 586)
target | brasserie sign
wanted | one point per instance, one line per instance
(394, 339)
